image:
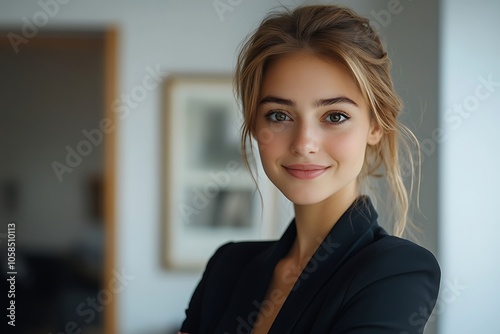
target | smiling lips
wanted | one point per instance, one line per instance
(305, 172)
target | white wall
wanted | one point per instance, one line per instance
(470, 117)
(190, 36)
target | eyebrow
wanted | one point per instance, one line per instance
(318, 103)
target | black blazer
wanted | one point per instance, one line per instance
(361, 280)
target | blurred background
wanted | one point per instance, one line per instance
(84, 159)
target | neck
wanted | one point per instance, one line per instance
(315, 221)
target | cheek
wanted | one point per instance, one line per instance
(271, 139)
(348, 147)
(271, 146)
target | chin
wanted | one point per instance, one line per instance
(304, 198)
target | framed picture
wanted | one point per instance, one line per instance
(210, 197)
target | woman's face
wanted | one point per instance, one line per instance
(312, 128)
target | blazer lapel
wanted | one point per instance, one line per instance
(251, 288)
(351, 233)
(354, 230)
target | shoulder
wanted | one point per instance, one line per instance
(215, 289)
(392, 281)
(392, 256)
(402, 253)
(243, 247)
(236, 254)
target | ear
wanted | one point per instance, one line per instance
(375, 134)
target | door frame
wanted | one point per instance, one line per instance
(110, 91)
(107, 39)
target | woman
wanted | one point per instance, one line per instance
(317, 97)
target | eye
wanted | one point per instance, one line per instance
(336, 117)
(277, 116)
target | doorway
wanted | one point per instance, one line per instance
(57, 179)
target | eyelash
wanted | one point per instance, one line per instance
(272, 114)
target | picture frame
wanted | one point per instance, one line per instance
(210, 197)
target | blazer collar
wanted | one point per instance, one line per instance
(355, 229)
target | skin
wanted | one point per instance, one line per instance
(310, 112)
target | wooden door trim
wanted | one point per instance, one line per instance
(110, 87)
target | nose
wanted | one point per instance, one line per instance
(305, 140)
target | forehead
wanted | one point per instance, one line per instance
(306, 76)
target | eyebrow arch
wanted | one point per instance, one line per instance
(335, 100)
(277, 100)
(318, 103)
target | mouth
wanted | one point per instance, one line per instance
(306, 172)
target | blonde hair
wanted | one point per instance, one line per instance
(336, 33)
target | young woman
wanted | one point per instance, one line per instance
(317, 97)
